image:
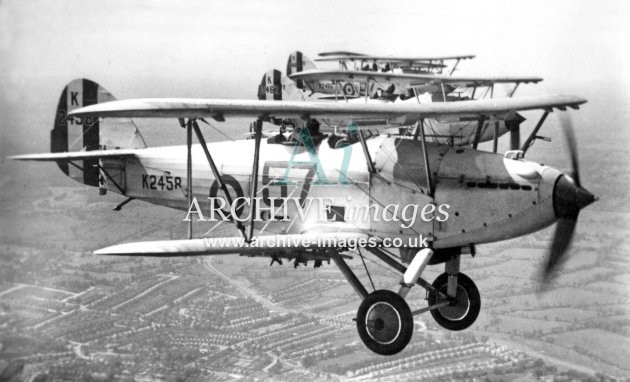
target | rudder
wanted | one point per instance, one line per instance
(298, 62)
(274, 86)
(87, 134)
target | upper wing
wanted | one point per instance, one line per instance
(343, 56)
(76, 155)
(263, 245)
(406, 80)
(219, 109)
(340, 53)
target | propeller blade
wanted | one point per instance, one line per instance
(567, 128)
(561, 241)
(569, 199)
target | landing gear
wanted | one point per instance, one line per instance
(462, 309)
(384, 322)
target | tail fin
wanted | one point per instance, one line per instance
(298, 62)
(275, 86)
(76, 134)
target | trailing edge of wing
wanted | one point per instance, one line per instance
(404, 79)
(221, 108)
(230, 245)
(76, 155)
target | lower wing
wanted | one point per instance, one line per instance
(263, 245)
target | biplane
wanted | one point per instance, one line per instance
(463, 197)
(348, 84)
(376, 88)
(299, 62)
(418, 64)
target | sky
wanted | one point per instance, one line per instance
(220, 49)
(217, 46)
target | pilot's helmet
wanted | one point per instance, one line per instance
(313, 126)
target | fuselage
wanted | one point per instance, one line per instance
(477, 197)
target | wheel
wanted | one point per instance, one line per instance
(384, 322)
(463, 310)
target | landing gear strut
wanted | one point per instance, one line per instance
(384, 319)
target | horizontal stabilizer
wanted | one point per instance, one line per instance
(75, 155)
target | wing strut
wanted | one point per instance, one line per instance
(515, 138)
(532, 136)
(427, 170)
(189, 173)
(366, 152)
(495, 139)
(214, 169)
(454, 66)
(416, 131)
(415, 92)
(443, 91)
(254, 188)
(480, 124)
(104, 172)
(343, 93)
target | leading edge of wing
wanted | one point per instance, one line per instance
(221, 108)
(232, 245)
(75, 155)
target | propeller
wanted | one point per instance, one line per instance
(569, 197)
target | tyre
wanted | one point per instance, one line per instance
(463, 310)
(384, 322)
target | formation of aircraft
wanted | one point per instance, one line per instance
(409, 201)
